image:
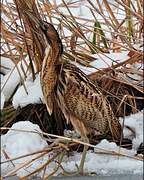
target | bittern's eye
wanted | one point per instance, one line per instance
(45, 27)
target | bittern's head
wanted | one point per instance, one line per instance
(51, 35)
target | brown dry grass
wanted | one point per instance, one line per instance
(19, 40)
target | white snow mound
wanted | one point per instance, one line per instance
(33, 94)
(18, 143)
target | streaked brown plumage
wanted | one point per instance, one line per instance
(78, 98)
(84, 105)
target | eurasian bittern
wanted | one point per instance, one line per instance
(79, 99)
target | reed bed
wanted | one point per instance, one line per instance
(113, 26)
(116, 27)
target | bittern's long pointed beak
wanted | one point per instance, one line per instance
(38, 22)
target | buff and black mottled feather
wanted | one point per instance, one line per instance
(79, 99)
(83, 104)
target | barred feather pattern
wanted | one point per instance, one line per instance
(83, 104)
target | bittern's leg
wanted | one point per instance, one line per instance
(81, 167)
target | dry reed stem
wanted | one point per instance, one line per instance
(49, 149)
(73, 18)
(45, 177)
(69, 140)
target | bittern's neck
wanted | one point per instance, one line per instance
(53, 53)
(56, 51)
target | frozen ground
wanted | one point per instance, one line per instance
(16, 143)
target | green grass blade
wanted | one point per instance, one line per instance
(129, 20)
(98, 30)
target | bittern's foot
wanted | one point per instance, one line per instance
(79, 172)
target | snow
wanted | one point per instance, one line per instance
(103, 164)
(16, 143)
(14, 76)
(118, 165)
(135, 121)
(6, 65)
(104, 61)
(24, 142)
(12, 79)
(32, 93)
(137, 76)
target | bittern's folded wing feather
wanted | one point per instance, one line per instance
(80, 98)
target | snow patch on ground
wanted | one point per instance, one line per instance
(17, 143)
(115, 164)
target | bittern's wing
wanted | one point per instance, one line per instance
(81, 99)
